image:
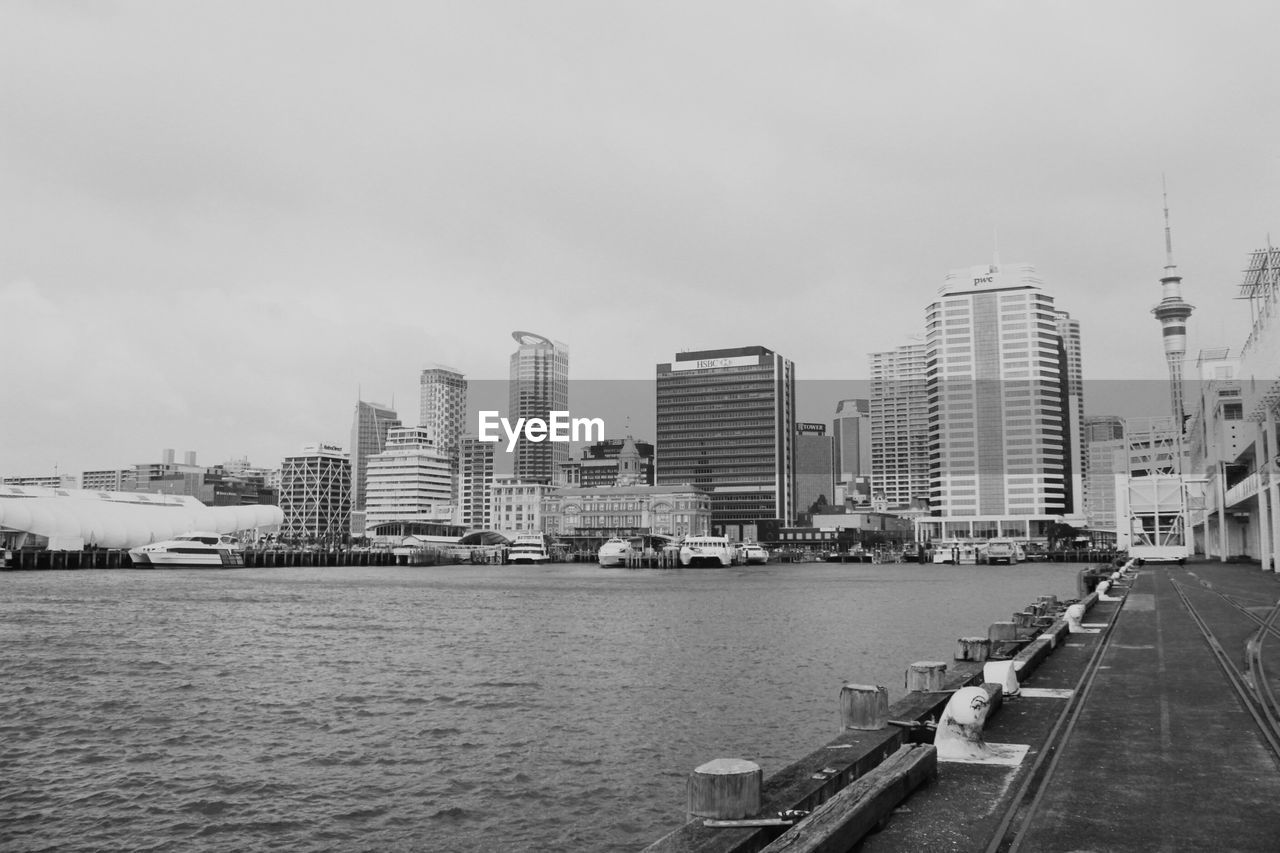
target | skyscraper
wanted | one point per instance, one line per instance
(815, 466)
(369, 428)
(899, 415)
(726, 422)
(442, 407)
(851, 429)
(539, 385)
(1172, 312)
(1000, 442)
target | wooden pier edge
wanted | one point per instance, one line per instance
(842, 821)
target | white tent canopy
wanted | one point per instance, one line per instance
(74, 518)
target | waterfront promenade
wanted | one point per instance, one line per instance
(1158, 752)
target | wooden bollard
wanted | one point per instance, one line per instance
(1025, 619)
(725, 789)
(864, 707)
(1003, 632)
(1050, 602)
(973, 648)
(926, 676)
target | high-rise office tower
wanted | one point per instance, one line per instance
(442, 406)
(539, 385)
(1073, 406)
(726, 422)
(1000, 443)
(1172, 312)
(369, 428)
(815, 466)
(899, 417)
(851, 430)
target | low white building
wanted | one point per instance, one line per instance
(410, 480)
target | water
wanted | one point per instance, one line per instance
(463, 708)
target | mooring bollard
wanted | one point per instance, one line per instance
(1075, 617)
(725, 789)
(1003, 632)
(1002, 672)
(973, 648)
(864, 707)
(1050, 602)
(959, 734)
(1025, 619)
(926, 676)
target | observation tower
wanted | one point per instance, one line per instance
(1172, 312)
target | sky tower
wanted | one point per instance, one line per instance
(1172, 312)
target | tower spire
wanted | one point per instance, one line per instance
(1172, 312)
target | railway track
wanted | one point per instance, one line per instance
(1250, 684)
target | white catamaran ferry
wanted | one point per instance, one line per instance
(706, 551)
(195, 550)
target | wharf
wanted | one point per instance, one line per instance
(1157, 752)
(1157, 730)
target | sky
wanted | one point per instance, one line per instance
(223, 223)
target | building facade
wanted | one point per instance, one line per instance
(369, 427)
(411, 480)
(1235, 434)
(1000, 444)
(603, 463)
(442, 411)
(475, 479)
(605, 511)
(517, 505)
(899, 418)
(726, 423)
(315, 495)
(1106, 455)
(539, 385)
(851, 429)
(815, 467)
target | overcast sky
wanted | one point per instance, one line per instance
(220, 222)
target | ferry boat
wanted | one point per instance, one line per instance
(955, 552)
(529, 548)
(195, 550)
(706, 551)
(614, 552)
(1004, 551)
(754, 554)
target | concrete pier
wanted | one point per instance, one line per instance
(1157, 728)
(1146, 748)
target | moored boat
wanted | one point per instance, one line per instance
(529, 549)
(195, 550)
(614, 552)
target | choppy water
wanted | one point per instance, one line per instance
(463, 708)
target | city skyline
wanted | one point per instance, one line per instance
(238, 225)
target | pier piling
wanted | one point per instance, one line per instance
(864, 707)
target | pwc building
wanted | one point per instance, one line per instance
(1003, 407)
(726, 423)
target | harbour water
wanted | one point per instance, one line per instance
(463, 708)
